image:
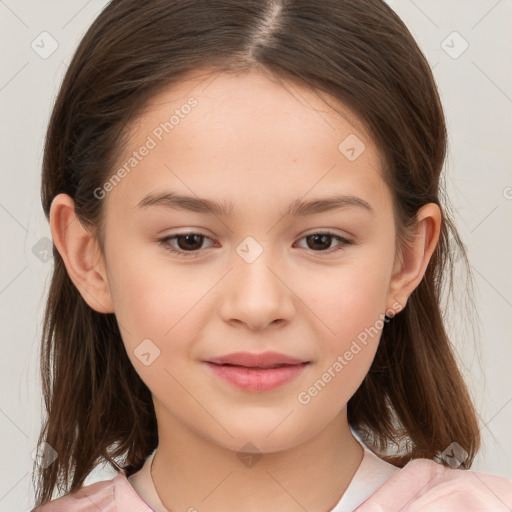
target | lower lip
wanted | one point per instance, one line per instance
(257, 379)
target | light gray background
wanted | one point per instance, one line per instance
(476, 89)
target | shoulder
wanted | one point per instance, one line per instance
(114, 495)
(423, 485)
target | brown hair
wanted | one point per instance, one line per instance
(358, 52)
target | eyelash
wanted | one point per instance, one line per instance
(193, 254)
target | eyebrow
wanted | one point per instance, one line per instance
(297, 208)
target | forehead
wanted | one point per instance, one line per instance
(248, 135)
(228, 98)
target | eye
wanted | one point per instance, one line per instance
(323, 240)
(189, 244)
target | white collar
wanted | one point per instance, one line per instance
(371, 474)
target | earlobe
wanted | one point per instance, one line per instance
(411, 266)
(80, 253)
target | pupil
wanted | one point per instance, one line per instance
(190, 241)
(316, 239)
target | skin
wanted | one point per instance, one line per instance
(293, 299)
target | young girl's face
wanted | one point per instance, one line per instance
(254, 278)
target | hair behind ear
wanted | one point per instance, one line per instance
(98, 377)
(414, 397)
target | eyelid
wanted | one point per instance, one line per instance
(165, 242)
(342, 241)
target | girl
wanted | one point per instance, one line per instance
(260, 368)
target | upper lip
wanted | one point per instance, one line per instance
(262, 360)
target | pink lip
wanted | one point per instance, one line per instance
(257, 379)
(256, 372)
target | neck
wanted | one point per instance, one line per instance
(192, 473)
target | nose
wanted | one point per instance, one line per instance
(257, 293)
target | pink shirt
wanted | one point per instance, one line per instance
(421, 485)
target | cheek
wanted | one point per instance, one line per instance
(351, 310)
(154, 310)
(149, 293)
(351, 327)
(350, 300)
(163, 303)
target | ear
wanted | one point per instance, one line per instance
(81, 254)
(411, 263)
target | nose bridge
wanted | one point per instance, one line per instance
(258, 294)
(256, 266)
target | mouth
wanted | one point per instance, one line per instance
(266, 367)
(256, 378)
(264, 360)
